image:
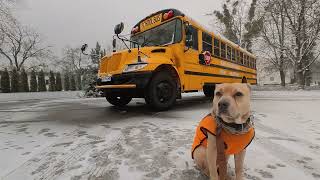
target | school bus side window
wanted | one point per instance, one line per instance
(228, 52)
(192, 38)
(223, 50)
(206, 42)
(238, 57)
(233, 54)
(216, 47)
(241, 58)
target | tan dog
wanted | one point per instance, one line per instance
(228, 130)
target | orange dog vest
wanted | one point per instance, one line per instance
(234, 143)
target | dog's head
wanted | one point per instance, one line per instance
(232, 102)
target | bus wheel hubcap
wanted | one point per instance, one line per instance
(164, 91)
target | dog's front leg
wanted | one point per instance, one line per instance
(212, 156)
(239, 161)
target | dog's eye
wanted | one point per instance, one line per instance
(238, 94)
(218, 93)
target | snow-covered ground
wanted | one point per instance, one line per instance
(71, 138)
(10, 97)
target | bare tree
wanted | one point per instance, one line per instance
(20, 44)
(304, 22)
(73, 60)
(274, 37)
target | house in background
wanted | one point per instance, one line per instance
(267, 77)
(315, 70)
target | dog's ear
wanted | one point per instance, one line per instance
(244, 80)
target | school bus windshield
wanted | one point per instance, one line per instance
(164, 34)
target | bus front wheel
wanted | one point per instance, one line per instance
(118, 100)
(162, 91)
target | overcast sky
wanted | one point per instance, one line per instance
(73, 22)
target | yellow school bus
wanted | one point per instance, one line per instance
(167, 54)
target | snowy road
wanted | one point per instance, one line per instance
(75, 139)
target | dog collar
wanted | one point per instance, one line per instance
(234, 128)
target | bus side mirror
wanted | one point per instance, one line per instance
(189, 43)
(118, 28)
(84, 48)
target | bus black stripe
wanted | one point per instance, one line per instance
(214, 75)
(232, 69)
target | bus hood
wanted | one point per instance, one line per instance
(117, 62)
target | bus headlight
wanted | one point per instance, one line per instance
(134, 67)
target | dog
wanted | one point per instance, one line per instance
(227, 130)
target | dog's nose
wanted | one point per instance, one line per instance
(223, 105)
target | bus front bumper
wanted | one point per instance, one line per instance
(133, 80)
(124, 86)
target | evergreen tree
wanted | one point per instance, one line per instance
(41, 82)
(58, 82)
(72, 83)
(52, 82)
(14, 80)
(5, 81)
(239, 25)
(33, 82)
(66, 81)
(24, 82)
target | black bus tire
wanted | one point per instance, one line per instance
(209, 90)
(161, 93)
(118, 100)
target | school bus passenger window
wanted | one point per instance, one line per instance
(245, 59)
(206, 42)
(233, 54)
(238, 57)
(228, 52)
(241, 58)
(192, 38)
(216, 47)
(223, 50)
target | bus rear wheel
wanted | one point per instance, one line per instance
(162, 91)
(118, 100)
(208, 90)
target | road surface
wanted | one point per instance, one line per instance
(74, 138)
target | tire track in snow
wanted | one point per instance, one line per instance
(284, 154)
(54, 160)
(298, 140)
